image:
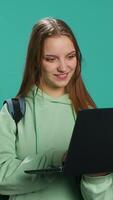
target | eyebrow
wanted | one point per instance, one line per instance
(71, 52)
(52, 55)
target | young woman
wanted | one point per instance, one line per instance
(54, 92)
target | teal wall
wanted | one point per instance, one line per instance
(91, 21)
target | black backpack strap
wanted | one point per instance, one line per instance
(16, 108)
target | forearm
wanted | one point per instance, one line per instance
(97, 188)
(13, 179)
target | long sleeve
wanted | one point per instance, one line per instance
(97, 188)
(13, 179)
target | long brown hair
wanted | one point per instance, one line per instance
(49, 27)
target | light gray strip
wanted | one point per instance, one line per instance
(22, 105)
(10, 107)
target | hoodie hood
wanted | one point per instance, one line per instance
(38, 93)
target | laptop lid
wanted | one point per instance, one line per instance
(91, 146)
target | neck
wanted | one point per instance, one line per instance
(57, 92)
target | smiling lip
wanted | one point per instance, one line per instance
(61, 76)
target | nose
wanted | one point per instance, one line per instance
(62, 66)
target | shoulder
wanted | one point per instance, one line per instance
(5, 118)
(4, 110)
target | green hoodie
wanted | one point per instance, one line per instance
(43, 137)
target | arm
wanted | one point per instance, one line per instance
(13, 180)
(97, 188)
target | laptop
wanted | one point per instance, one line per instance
(91, 146)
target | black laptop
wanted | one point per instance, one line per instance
(91, 145)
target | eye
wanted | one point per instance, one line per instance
(50, 59)
(71, 56)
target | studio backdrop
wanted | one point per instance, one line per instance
(92, 23)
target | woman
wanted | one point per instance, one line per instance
(54, 92)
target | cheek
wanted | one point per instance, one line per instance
(47, 68)
(73, 68)
(73, 64)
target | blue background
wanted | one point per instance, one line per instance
(92, 23)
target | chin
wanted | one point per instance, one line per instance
(61, 85)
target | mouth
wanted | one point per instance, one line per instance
(62, 76)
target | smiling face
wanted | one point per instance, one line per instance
(58, 64)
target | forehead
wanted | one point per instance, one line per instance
(58, 44)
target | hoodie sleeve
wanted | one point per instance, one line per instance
(13, 179)
(97, 188)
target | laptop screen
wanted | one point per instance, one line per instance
(91, 145)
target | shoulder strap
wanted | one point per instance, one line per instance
(16, 108)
